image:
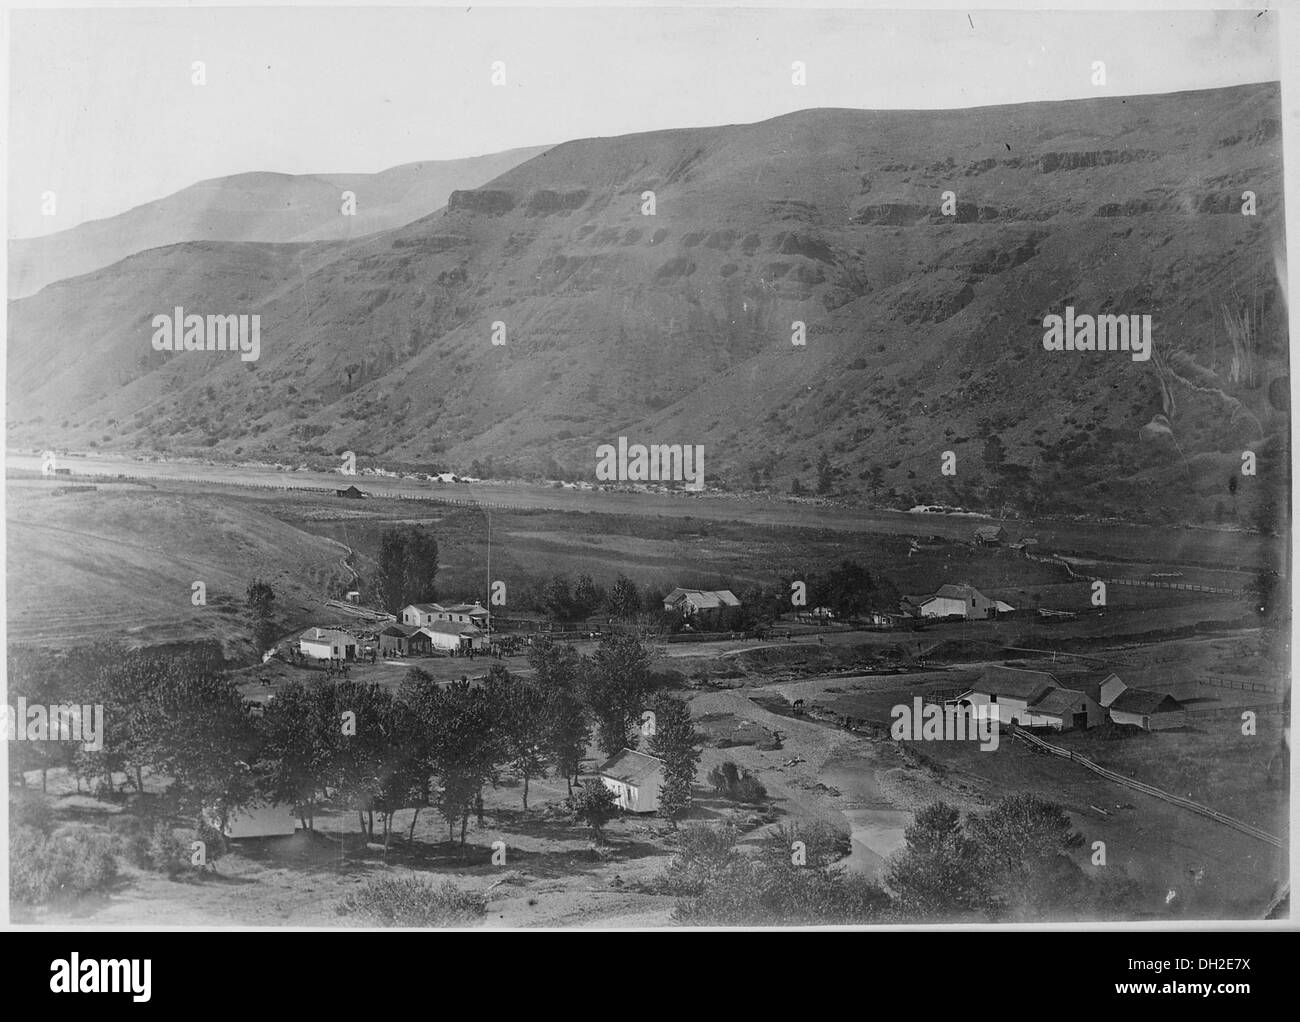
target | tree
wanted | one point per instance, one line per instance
(556, 598)
(825, 475)
(408, 568)
(624, 601)
(595, 806)
(1021, 848)
(587, 597)
(796, 487)
(523, 724)
(465, 748)
(935, 875)
(301, 738)
(261, 608)
(614, 686)
(557, 672)
(675, 741)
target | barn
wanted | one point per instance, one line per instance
(351, 493)
(407, 640)
(990, 535)
(635, 779)
(958, 601)
(1151, 711)
(327, 644)
(1027, 698)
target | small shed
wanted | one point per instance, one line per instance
(266, 819)
(990, 535)
(351, 493)
(635, 779)
(1151, 711)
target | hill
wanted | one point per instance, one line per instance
(254, 207)
(924, 331)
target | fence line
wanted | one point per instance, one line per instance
(1141, 582)
(1148, 789)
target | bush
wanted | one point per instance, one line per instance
(69, 865)
(413, 902)
(165, 852)
(31, 810)
(732, 782)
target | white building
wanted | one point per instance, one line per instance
(635, 779)
(450, 637)
(271, 819)
(959, 601)
(327, 644)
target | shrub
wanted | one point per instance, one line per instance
(69, 865)
(413, 902)
(732, 782)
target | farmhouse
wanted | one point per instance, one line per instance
(421, 614)
(351, 493)
(1151, 711)
(408, 640)
(701, 605)
(957, 601)
(990, 535)
(327, 644)
(451, 637)
(1028, 698)
(635, 779)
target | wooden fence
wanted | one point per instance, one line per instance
(1139, 582)
(1147, 789)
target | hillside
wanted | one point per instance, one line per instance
(924, 331)
(254, 207)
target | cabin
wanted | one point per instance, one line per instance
(406, 640)
(990, 535)
(450, 637)
(963, 601)
(635, 779)
(1151, 711)
(351, 493)
(1014, 695)
(702, 606)
(327, 644)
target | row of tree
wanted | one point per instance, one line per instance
(372, 749)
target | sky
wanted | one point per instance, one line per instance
(103, 110)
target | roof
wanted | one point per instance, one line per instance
(465, 608)
(990, 531)
(406, 631)
(426, 608)
(632, 767)
(957, 592)
(326, 635)
(704, 599)
(452, 628)
(1015, 682)
(1088, 682)
(1058, 701)
(1139, 700)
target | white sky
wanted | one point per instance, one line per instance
(103, 112)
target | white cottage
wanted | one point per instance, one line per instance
(635, 779)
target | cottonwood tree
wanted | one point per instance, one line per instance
(301, 736)
(676, 742)
(934, 876)
(557, 671)
(522, 711)
(615, 683)
(260, 598)
(465, 749)
(623, 601)
(587, 597)
(408, 568)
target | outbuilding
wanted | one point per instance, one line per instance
(1151, 711)
(327, 644)
(635, 779)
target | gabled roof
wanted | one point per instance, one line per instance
(1089, 682)
(426, 608)
(406, 631)
(1015, 682)
(632, 767)
(990, 531)
(326, 635)
(452, 628)
(704, 599)
(958, 592)
(1058, 701)
(1138, 700)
